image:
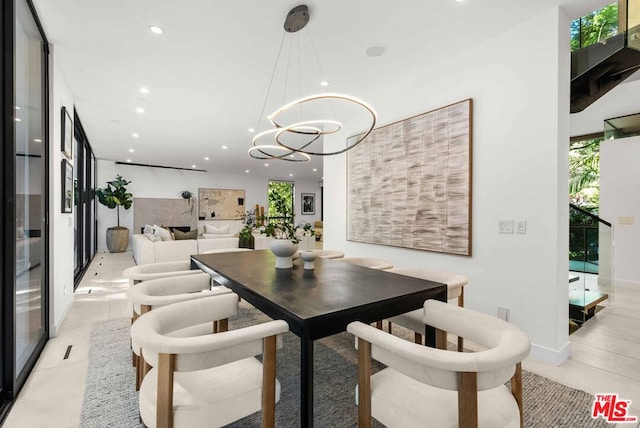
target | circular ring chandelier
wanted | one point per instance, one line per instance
(314, 128)
(295, 127)
(262, 153)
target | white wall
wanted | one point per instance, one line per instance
(61, 262)
(520, 89)
(149, 182)
(619, 190)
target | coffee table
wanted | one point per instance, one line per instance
(320, 302)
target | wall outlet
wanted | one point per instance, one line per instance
(503, 313)
(521, 226)
(505, 225)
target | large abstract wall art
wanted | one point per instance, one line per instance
(409, 183)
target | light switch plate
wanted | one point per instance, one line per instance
(505, 225)
(625, 220)
(521, 226)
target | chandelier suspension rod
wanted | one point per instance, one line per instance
(273, 73)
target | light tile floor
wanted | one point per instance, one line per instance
(606, 351)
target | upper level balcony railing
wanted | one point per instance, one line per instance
(605, 47)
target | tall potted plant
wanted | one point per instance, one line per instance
(115, 195)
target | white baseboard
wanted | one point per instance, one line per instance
(626, 283)
(54, 328)
(550, 356)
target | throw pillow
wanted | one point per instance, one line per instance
(162, 233)
(181, 236)
(212, 229)
(147, 229)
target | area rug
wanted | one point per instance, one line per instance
(111, 401)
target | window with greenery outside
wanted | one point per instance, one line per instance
(595, 27)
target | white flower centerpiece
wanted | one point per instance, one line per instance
(286, 239)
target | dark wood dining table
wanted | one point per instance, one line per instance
(320, 302)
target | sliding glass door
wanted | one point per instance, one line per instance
(84, 211)
(24, 196)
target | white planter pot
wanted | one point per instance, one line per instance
(283, 250)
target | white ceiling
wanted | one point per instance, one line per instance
(208, 74)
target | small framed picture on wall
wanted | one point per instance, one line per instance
(308, 203)
(67, 133)
(67, 186)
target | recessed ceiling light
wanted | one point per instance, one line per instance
(252, 130)
(291, 156)
(128, 160)
(324, 83)
(246, 170)
(459, 1)
(140, 110)
(266, 164)
(290, 175)
(156, 29)
(193, 166)
(17, 107)
(224, 147)
(315, 169)
(144, 90)
(206, 158)
(18, 119)
(37, 140)
(375, 51)
(135, 135)
(131, 150)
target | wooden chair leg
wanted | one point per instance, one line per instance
(468, 399)
(516, 390)
(461, 304)
(389, 327)
(269, 382)
(223, 325)
(364, 384)
(215, 326)
(379, 325)
(441, 339)
(164, 400)
(138, 372)
(134, 357)
(417, 338)
(141, 370)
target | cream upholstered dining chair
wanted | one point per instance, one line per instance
(455, 290)
(211, 380)
(329, 254)
(428, 387)
(368, 262)
(148, 271)
(155, 293)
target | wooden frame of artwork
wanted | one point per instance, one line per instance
(308, 203)
(409, 183)
(67, 187)
(67, 133)
(220, 204)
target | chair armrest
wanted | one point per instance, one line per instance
(481, 328)
(159, 301)
(435, 366)
(203, 352)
